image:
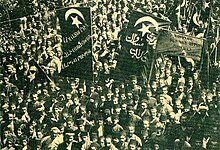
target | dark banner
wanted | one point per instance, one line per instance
(174, 43)
(136, 40)
(77, 44)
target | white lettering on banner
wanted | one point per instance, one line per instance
(134, 39)
(137, 51)
(173, 43)
(77, 47)
(181, 39)
(138, 54)
(77, 59)
(75, 34)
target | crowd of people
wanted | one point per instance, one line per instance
(41, 110)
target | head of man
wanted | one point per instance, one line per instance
(130, 109)
(54, 132)
(146, 123)
(131, 130)
(162, 100)
(144, 104)
(153, 112)
(181, 87)
(68, 96)
(69, 135)
(182, 72)
(195, 75)
(132, 145)
(6, 80)
(108, 141)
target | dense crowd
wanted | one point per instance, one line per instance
(41, 110)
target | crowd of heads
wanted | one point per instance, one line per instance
(41, 110)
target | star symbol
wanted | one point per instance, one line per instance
(76, 21)
(144, 29)
(206, 5)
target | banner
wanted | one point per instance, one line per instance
(75, 26)
(174, 43)
(137, 40)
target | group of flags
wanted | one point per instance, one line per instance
(145, 37)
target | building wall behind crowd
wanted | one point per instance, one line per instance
(41, 110)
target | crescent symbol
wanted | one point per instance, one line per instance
(195, 19)
(149, 19)
(73, 11)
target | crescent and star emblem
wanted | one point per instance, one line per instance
(145, 29)
(75, 20)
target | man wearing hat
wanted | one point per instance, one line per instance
(201, 128)
(52, 141)
(123, 144)
(214, 142)
(7, 85)
(83, 98)
(132, 145)
(132, 117)
(85, 140)
(189, 86)
(98, 127)
(94, 146)
(10, 145)
(69, 142)
(12, 73)
(132, 136)
(197, 84)
(144, 112)
(151, 101)
(164, 107)
(134, 86)
(116, 128)
(54, 64)
(109, 144)
(180, 93)
(168, 97)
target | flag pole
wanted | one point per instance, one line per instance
(216, 48)
(151, 70)
(44, 72)
(205, 50)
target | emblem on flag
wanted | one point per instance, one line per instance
(75, 19)
(75, 26)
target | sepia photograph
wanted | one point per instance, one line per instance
(110, 74)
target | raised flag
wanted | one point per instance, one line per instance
(178, 44)
(137, 41)
(75, 23)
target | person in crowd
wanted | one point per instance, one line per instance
(41, 109)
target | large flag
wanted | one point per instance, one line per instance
(75, 26)
(137, 41)
(178, 44)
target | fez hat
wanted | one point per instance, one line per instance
(144, 101)
(84, 133)
(69, 131)
(133, 77)
(94, 135)
(130, 107)
(133, 142)
(55, 130)
(115, 116)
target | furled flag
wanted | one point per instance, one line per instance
(75, 26)
(138, 41)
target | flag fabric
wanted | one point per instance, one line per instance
(75, 23)
(4, 16)
(178, 44)
(137, 41)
